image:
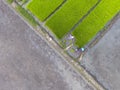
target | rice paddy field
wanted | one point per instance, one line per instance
(43, 8)
(64, 16)
(95, 21)
(68, 15)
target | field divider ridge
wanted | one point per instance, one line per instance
(80, 21)
(55, 10)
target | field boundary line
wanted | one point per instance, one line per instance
(81, 19)
(52, 13)
(103, 31)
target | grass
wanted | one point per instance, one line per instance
(26, 15)
(66, 17)
(95, 21)
(43, 8)
(10, 1)
(24, 1)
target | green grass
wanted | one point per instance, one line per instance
(26, 15)
(95, 21)
(24, 1)
(10, 1)
(66, 17)
(43, 8)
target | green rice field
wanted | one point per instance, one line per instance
(95, 21)
(66, 17)
(70, 13)
(43, 8)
